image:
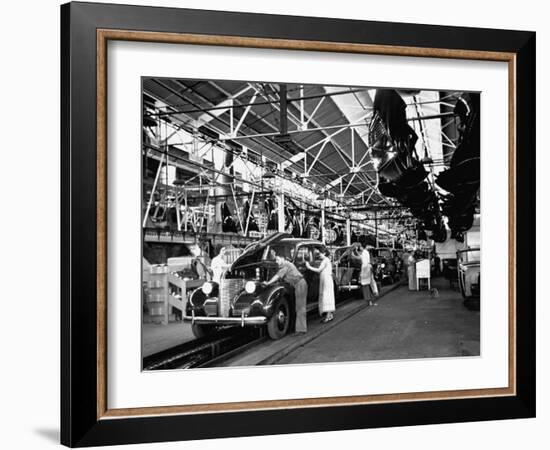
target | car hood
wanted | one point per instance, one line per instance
(257, 248)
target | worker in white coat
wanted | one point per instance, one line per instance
(368, 283)
(219, 266)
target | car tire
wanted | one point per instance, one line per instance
(279, 323)
(201, 330)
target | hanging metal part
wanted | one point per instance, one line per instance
(283, 112)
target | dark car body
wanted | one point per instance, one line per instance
(347, 268)
(384, 265)
(230, 303)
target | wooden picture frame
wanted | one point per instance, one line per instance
(85, 417)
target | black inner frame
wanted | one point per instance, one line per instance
(79, 424)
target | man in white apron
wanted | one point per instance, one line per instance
(368, 283)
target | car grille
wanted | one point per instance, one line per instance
(229, 288)
(240, 308)
(211, 308)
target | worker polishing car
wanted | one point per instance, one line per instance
(242, 298)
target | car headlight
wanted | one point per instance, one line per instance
(382, 265)
(207, 288)
(250, 287)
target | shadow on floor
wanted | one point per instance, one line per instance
(49, 434)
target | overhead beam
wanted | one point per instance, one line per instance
(245, 113)
(219, 109)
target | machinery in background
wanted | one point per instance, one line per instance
(469, 276)
(401, 173)
(461, 179)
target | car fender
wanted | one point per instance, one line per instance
(272, 294)
(196, 301)
(267, 296)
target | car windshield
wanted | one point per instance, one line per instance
(284, 250)
(251, 257)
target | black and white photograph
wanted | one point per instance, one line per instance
(300, 223)
(275, 225)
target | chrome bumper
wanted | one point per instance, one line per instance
(242, 321)
(349, 287)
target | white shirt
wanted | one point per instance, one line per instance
(366, 273)
(365, 257)
(218, 268)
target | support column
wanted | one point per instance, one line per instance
(222, 160)
(376, 227)
(348, 232)
(281, 211)
(323, 205)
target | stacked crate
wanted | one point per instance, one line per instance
(157, 298)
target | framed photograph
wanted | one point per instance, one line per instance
(277, 224)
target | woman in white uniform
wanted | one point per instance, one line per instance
(326, 286)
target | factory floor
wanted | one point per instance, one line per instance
(157, 337)
(405, 325)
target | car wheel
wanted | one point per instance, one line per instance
(201, 330)
(279, 322)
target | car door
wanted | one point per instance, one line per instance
(303, 255)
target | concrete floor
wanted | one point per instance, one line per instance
(157, 337)
(405, 325)
(270, 352)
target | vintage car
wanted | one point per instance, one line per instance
(347, 269)
(240, 299)
(469, 276)
(384, 265)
